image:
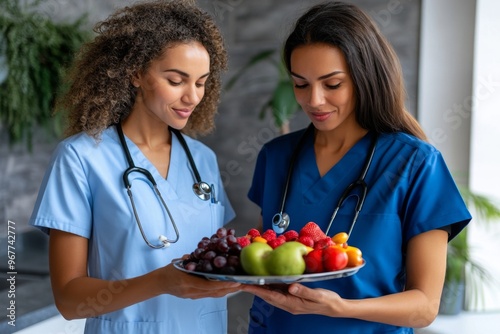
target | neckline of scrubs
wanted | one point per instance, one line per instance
(140, 160)
(317, 187)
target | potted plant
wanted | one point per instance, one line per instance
(34, 51)
(463, 273)
(282, 101)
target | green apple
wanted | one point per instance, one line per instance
(287, 259)
(253, 258)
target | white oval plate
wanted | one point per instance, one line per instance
(262, 280)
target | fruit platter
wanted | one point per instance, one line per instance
(307, 255)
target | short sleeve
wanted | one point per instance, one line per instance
(64, 200)
(433, 200)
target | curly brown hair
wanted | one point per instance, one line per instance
(100, 91)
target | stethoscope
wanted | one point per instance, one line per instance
(281, 220)
(202, 189)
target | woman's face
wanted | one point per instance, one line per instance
(174, 84)
(323, 86)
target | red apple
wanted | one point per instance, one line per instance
(314, 261)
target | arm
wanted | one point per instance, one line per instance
(79, 296)
(417, 306)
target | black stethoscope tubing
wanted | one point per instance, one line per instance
(201, 189)
(360, 182)
(281, 220)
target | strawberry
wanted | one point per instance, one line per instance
(306, 240)
(291, 235)
(314, 261)
(243, 241)
(276, 242)
(312, 230)
(253, 233)
(269, 235)
(323, 243)
(282, 237)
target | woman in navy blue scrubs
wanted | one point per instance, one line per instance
(348, 81)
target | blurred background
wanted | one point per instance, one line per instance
(450, 57)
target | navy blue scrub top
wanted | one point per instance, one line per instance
(410, 191)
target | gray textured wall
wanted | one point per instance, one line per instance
(248, 27)
(251, 26)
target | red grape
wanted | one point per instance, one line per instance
(219, 261)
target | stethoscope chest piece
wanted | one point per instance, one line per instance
(202, 190)
(281, 220)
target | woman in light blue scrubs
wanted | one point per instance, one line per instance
(348, 81)
(154, 68)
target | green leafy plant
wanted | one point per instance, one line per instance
(461, 268)
(282, 101)
(36, 51)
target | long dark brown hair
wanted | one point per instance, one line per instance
(373, 64)
(100, 90)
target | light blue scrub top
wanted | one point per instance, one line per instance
(83, 193)
(410, 191)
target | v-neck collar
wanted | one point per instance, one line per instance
(316, 188)
(140, 160)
